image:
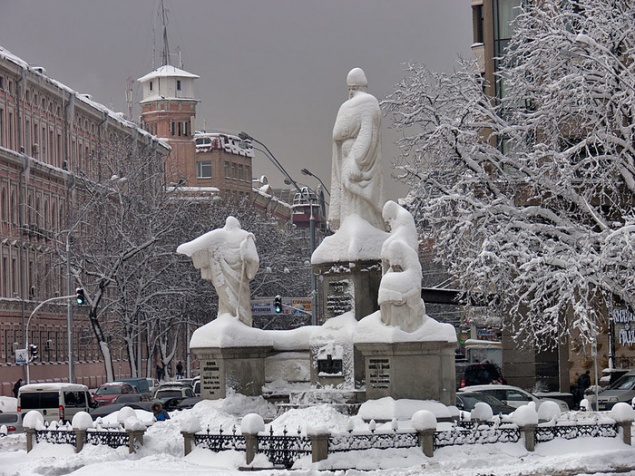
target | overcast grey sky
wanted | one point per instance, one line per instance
(273, 68)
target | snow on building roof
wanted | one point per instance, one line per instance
(84, 98)
(167, 71)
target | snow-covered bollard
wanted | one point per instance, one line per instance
(190, 425)
(135, 429)
(526, 418)
(425, 424)
(623, 414)
(250, 426)
(82, 421)
(482, 412)
(32, 422)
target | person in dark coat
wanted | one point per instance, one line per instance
(16, 387)
(584, 382)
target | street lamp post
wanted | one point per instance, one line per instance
(26, 336)
(244, 136)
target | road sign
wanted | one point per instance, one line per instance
(21, 356)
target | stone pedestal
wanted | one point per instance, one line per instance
(239, 368)
(413, 370)
(348, 286)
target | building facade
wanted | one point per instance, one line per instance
(50, 138)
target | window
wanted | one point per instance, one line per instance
(1, 82)
(178, 84)
(204, 169)
(151, 86)
(226, 169)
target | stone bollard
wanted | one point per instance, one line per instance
(319, 446)
(188, 442)
(426, 441)
(624, 427)
(80, 440)
(529, 434)
(251, 446)
(134, 436)
(30, 438)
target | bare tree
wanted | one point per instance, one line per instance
(529, 197)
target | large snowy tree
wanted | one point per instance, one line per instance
(529, 196)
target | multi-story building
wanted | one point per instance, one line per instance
(50, 137)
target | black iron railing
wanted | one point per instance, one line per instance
(349, 442)
(221, 441)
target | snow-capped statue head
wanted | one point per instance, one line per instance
(356, 80)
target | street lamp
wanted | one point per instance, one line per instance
(244, 136)
(310, 174)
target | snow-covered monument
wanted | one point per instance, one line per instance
(374, 339)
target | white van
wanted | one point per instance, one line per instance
(55, 401)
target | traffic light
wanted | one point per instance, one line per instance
(81, 299)
(277, 304)
(33, 351)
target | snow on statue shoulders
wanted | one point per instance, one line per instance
(228, 258)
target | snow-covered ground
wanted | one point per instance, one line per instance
(162, 453)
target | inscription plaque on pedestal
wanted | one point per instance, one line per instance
(211, 379)
(379, 373)
(339, 298)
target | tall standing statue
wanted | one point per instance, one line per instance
(356, 178)
(228, 258)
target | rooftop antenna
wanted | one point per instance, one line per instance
(165, 56)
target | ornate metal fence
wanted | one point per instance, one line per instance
(397, 439)
(569, 432)
(284, 450)
(220, 441)
(476, 434)
(57, 435)
(110, 437)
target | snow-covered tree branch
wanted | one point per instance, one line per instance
(529, 196)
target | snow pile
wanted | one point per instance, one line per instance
(387, 408)
(33, 420)
(525, 415)
(252, 424)
(482, 412)
(316, 419)
(370, 329)
(82, 421)
(622, 412)
(548, 410)
(423, 420)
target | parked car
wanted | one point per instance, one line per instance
(141, 384)
(622, 390)
(109, 392)
(106, 410)
(12, 421)
(173, 384)
(466, 401)
(188, 403)
(512, 396)
(481, 374)
(196, 386)
(174, 392)
(55, 401)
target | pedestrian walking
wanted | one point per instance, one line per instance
(584, 382)
(179, 370)
(16, 387)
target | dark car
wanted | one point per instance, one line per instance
(467, 400)
(481, 374)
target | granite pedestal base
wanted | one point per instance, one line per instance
(410, 370)
(239, 368)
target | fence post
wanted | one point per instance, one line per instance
(188, 442)
(251, 444)
(529, 434)
(134, 436)
(319, 446)
(426, 441)
(625, 428)
(80, 440)
(30, 438)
